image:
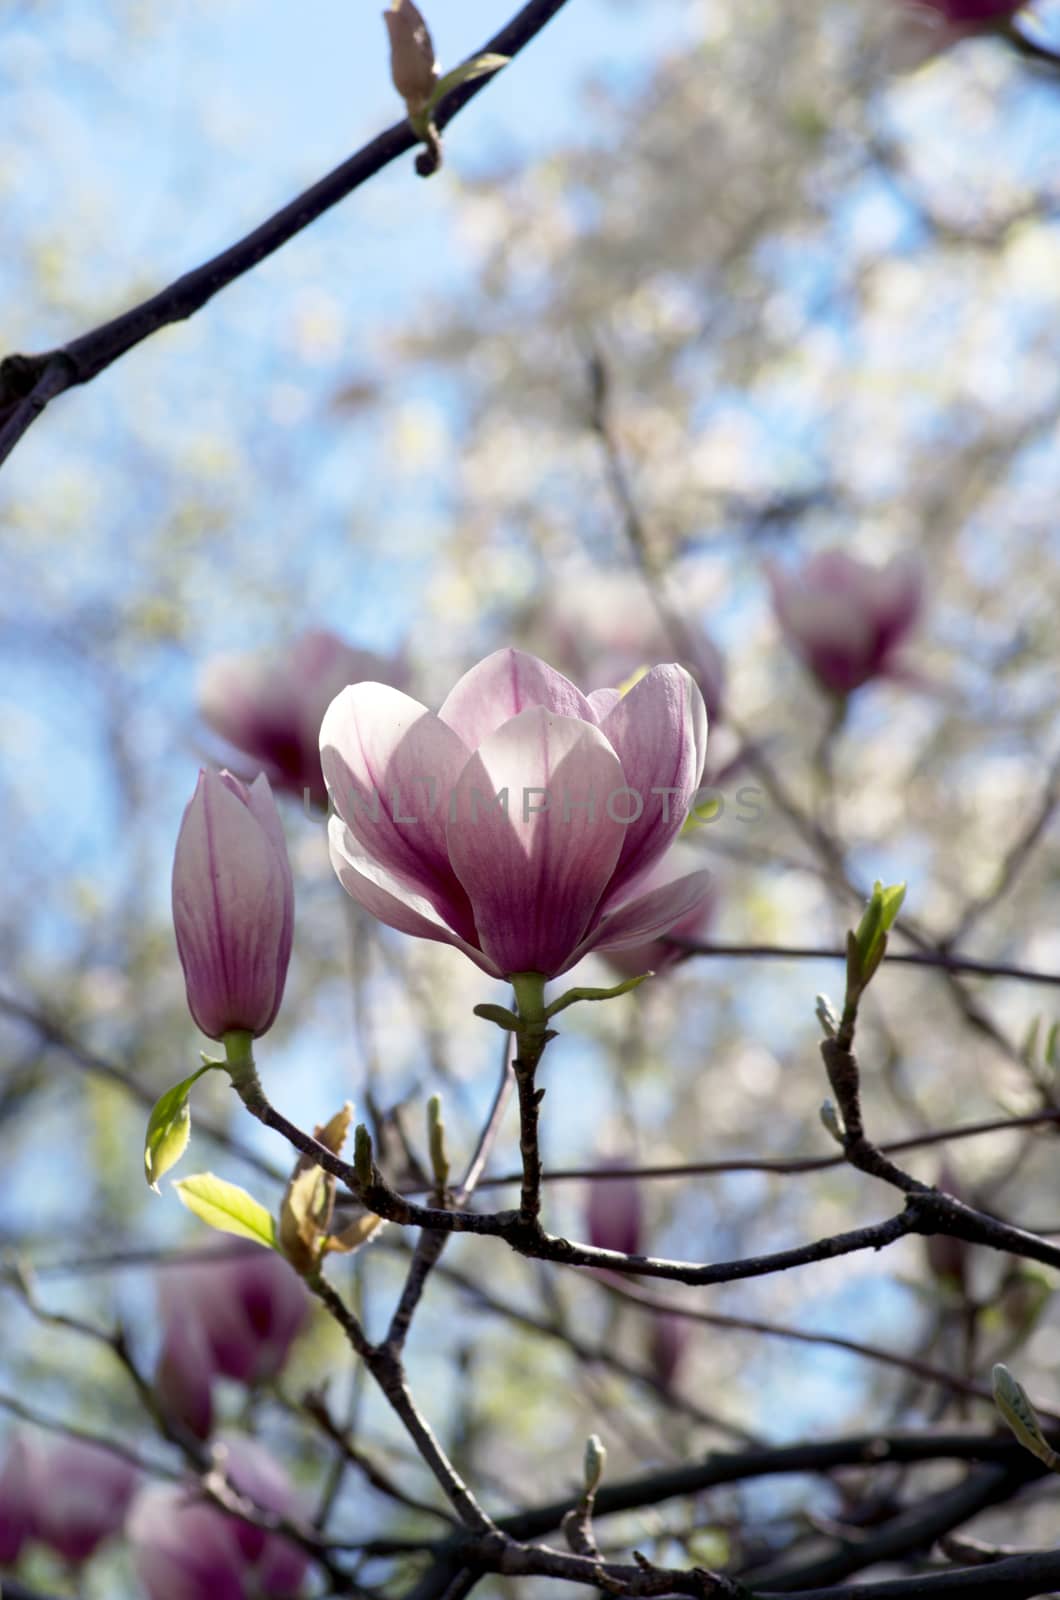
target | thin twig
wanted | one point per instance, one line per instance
(29, 383)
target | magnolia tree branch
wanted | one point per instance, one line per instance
(927, 1211)
(939, 959)
(779, 1166)
(388, 1372)
(29, 383)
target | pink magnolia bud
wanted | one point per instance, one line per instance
(668, 1340)
(16, 1500)
(233, 905)
(269, 704)
(80, 1496)
(656, 955)
(184, 1547)
(613, 1215)
(412, 63)
(519, 822)
(845, 618)
(239, 1315)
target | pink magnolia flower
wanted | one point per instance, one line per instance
(186, 1549)
(269, 704)
(613, 1215)
(80, 1496)
(236, 1317)
(845, 618)
(518, 823)
(16, 1501)
(233, 905)
(656, 954)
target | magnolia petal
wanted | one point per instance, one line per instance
(392, 901)
(648, 916)
(604, 700)
(390, 767)
(659, 733)
(503, 685)
(535, 867)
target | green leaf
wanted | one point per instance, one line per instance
(476, 67)
(572, 996)
(227, 1207)
(1018, 1413)
(500, 1015)
(870, 941)
(169, 1128)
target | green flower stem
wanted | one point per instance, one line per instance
(531, 1037)
(239, 1064)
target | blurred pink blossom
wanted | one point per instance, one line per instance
(269, 704)
(519, 822)
(233, 905)
(602, 626)
(80, 1495)
(925, 28)
(846, 619)
(16, 1500)
(613, 1214)
(186, 1549)
(236, 1317)
(974, 13)
(668, 1340)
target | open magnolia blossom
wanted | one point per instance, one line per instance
(520, 822)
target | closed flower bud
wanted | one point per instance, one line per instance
(668, 1340)
(183, 1546)
(80, 1496)
(238, 1315)
(613, 1215)
(518, 823)
(412, 63)
(846, 619)
(269, 704)
(233, 905)
(16, 1500)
